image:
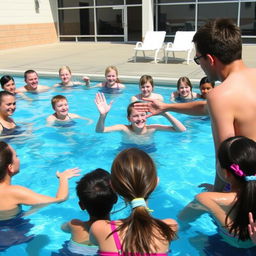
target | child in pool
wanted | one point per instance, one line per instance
(237, 158)
(146, 88)
(134, 178)
(137, 119)
(66, 78)
(8, 84)
(7, 108)
(205, 86)
(13, 196)
(112, 81)
(60, 106)
(184, 91)
(97, 198)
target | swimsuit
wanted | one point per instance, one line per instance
(9, 131)
(119, 246)
(82, 249)
(106, 89)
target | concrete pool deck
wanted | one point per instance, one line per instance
(92, 58)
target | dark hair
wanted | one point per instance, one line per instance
(5, 79)
(95, 193)
(221, 38)
(30, 71)
(56, 99)
(6, 156)
(241, 151)
(146, 78)
(184, 79)
(205, 80)
(3, 94)
(133, 175)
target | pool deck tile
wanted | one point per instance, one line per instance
(92, 58)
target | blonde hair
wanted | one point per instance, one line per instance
(65, 67)
(109, 68)
(146, 78)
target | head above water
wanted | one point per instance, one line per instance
(63, 68)
(146, 78)
(220, 38)
(5, 79)
(30, 71)
(241, 151)
(205, 80)
(95, 193)
(56, 99)
(6, 158)
(185, 80)
(110, 69)
(5, 94)
(133, 174)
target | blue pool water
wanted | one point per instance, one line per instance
(184, 160)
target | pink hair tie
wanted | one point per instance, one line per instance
(237, 170)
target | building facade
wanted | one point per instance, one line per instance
(34, 22)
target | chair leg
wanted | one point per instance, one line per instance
(156, 53)
(166, 57)
(135, 56)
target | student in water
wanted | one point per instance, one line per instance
(146, 88)
(97, 198)
(61, 108)
(205, 87)
(137, 120)
(66, 78)
(134, 178)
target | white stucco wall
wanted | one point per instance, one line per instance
(24, 12)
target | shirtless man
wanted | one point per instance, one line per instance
(232, 104)
(31, 79)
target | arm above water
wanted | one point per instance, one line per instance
(155, 107)
(176, 126)
(252, 228)
(26, 196)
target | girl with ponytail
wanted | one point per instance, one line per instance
(134, 178)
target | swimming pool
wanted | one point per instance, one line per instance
(184, 160)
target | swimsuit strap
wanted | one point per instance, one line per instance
(116, 238)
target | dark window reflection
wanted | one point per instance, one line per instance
(248, 18)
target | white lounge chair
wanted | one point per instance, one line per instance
(182, 43)
(153, 41)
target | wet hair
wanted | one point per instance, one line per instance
(56, 99)
(205, 80)
(220, 38)
(241, 151)
(65, 67)
(186, 80)
(130, 107)
(4, 94)
(133, 175)
(5, 79)
(6, 157)
(95, 193)
(30, 71)
(146, 78)
(109, 68)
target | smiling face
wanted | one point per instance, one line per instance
(8, 105)
(65, 75)
(10, 86)
(32, 80)
(137, 119)
(146, 89)
(111, 77)
(61, 108)
(184, 90)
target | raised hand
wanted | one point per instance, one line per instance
(155, 107)
(252, 228)
(101, 103)
(68, 173)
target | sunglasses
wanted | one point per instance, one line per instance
(197, 59)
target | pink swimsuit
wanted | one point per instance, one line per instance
(119, 247)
